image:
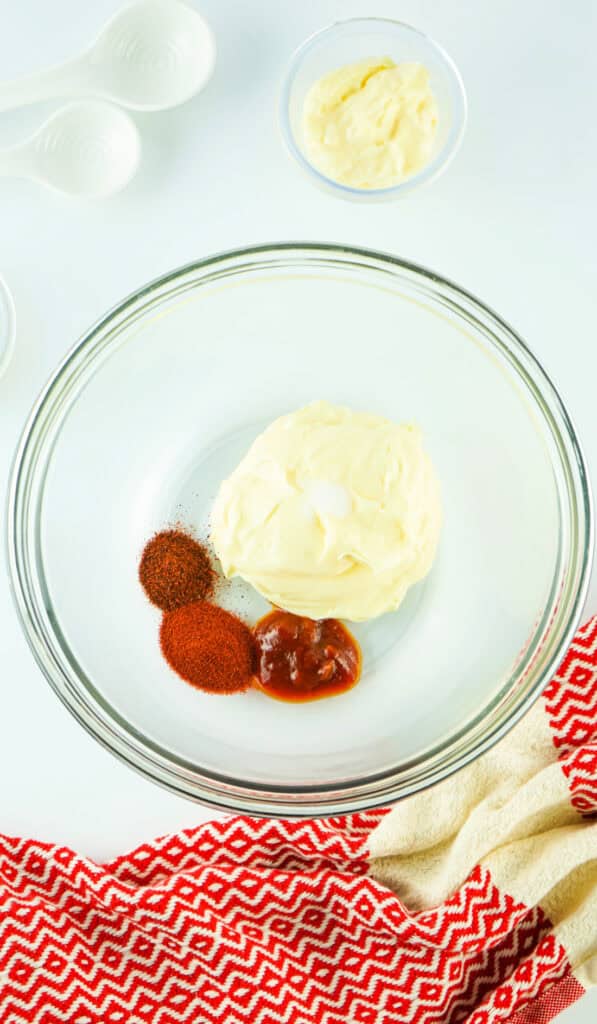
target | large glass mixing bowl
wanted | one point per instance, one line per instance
(156, 404)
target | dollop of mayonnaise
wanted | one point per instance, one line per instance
(371, 124)
(331, 514)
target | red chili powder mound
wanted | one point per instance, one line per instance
(208, 647)
(175, 570)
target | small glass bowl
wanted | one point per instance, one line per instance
(345, 42)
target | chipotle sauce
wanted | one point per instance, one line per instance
(299, 659)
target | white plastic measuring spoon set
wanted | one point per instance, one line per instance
(152, 55)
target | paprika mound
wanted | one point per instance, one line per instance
(208, 647)
(175, 570)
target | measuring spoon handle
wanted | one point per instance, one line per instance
(62, 80)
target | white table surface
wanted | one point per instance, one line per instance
(513, 220)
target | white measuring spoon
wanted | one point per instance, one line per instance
(88, 149)
(151, 55)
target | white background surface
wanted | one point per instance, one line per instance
(513, 220)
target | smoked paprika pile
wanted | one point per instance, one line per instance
(175, 570)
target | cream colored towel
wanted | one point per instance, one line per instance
(525, 812)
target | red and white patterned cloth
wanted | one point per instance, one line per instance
(427, 914)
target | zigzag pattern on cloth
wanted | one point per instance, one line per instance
(571, 704)
(250, 921)
(184, 931)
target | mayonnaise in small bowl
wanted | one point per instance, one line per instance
(372, 108)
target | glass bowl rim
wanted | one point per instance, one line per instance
(429, 172)
(25, 497)
(7, 302)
